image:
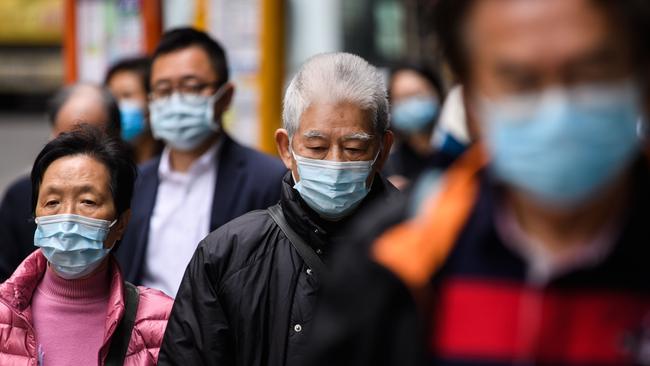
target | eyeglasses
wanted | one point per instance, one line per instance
(190, 92)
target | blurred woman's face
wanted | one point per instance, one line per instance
(80, 185)
(407, 84)
(127, 85)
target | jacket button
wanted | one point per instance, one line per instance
(309, 271)
(297, 328)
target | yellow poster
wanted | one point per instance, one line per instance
(31, 22)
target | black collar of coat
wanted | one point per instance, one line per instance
(315, 230)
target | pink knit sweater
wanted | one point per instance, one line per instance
(69, 318)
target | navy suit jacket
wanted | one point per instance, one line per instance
(247, 180)
(17, 226)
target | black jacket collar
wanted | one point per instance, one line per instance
(315, 230)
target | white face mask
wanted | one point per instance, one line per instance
(333, 188)
(184, 122)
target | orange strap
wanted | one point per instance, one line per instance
(415, 249)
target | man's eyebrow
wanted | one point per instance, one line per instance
(182, 79)
(358, 136)
(314, 134)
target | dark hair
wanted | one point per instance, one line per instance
(182, 38)
(91, 141)
(138, 65)
(449, 20)
(429, 75)
(61, 97)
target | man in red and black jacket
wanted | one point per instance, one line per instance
(533, 248)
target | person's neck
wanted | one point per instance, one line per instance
(181, 161)
(145, 147)
(561, 229)
(420, 143)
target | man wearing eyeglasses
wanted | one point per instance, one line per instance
(203, 178)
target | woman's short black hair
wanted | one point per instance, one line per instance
(633, 16)
(182, 38)
(141, 66)
(91, 141)
(428, 74)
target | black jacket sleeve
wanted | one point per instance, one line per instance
(198, 332)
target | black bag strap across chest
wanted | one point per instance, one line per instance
(313, 261)
(122, 336)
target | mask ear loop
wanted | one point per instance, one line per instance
(294, 159)
(214, 98)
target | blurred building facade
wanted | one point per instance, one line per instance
(47, 43)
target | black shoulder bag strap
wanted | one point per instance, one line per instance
(122, 336)
(306, 252)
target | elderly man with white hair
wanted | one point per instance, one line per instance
(249, 292)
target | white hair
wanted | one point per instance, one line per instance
(334, 78)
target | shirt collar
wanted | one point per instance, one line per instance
(543, 265)
(204, 163)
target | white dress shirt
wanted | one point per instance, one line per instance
(544, 265)
(180, 219)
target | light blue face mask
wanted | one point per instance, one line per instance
(132, 117)
(182, 124)
(562, 146)
(414, 114)
(332, 188)
(72, 244)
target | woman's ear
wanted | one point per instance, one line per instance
(117, 231)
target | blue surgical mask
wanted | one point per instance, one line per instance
(414, 114)
(332, 188)
(563, 145)
(72, 244)
(132, 117)
(184, 122)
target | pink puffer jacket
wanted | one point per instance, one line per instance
(18, 345)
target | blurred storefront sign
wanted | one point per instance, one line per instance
(30, 40)
(33, 22)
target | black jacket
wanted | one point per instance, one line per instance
(369, 316)
(247, 297)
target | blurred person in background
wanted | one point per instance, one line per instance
(65, 110)
(451, 134)
(249, 293)
(533, 249)
(203, 178)
(67, 303)
(416, 96)
(128, 80)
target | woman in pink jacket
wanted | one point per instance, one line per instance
(67, 303)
